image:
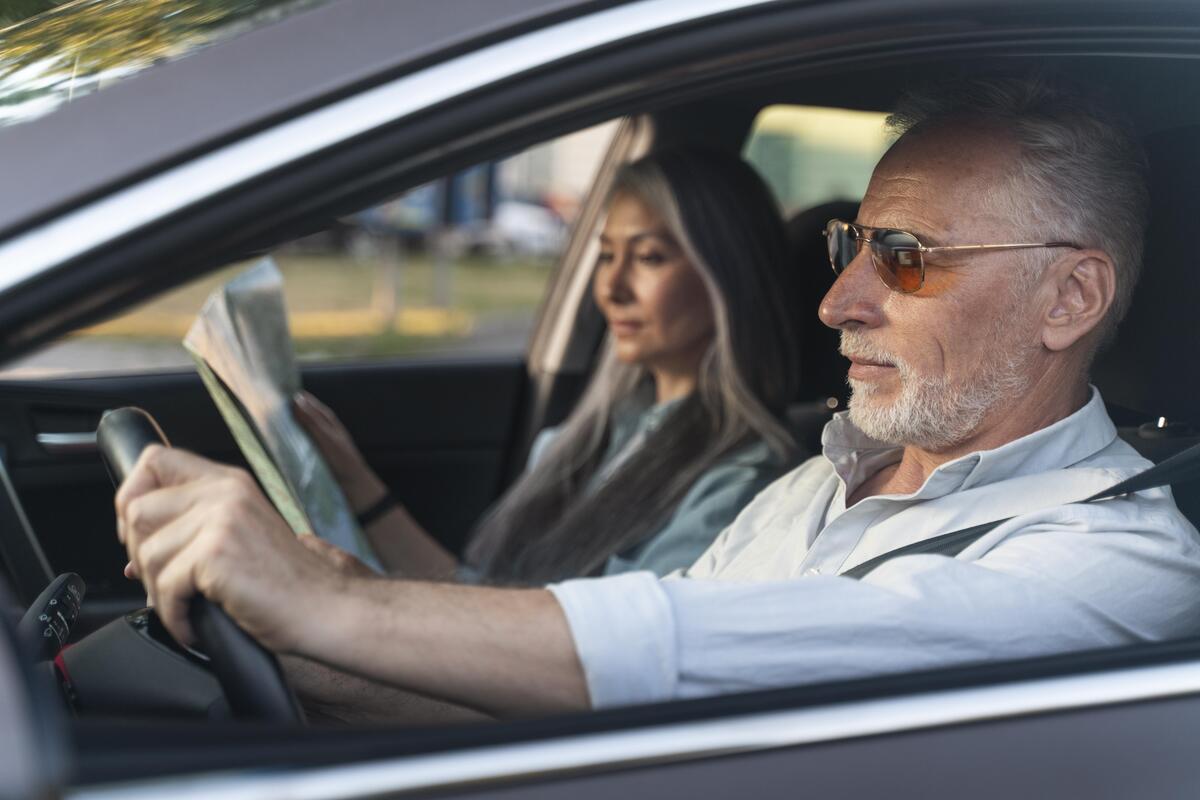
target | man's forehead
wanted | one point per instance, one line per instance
(939, 181)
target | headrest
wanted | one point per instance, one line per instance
(822, 369)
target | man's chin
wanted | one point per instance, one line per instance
(871, 393)
(870, 412)
(892, 419)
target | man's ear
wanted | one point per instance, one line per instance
(1083, 285)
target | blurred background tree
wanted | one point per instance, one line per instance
(57, 47)
(13, 11)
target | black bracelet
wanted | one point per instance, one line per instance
(381, 507)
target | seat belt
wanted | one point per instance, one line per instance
(1183, 466)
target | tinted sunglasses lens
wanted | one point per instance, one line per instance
(843, 245)
(898, 260)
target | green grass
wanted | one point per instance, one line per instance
(338, 282)
(385, 344)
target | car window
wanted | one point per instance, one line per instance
(811, 155)
(455, 266)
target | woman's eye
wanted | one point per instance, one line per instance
(604, 258)
(652, 258)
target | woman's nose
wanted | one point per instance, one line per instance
(856, 297)
(614, 281)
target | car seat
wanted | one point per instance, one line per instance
(822, 370)
(1147, 375)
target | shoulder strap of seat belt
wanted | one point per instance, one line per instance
(1183, 466)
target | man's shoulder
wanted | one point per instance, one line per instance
(1119, 456)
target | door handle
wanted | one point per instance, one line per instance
(66, 443)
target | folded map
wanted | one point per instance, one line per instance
(244, 354)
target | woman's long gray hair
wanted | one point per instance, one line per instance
(554, 523)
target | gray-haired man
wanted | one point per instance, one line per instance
(996, 247)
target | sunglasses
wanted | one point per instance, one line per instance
(899, 256)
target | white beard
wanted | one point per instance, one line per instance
(935, 414)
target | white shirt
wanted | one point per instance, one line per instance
(764, 606)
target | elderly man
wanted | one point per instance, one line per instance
(996, 247)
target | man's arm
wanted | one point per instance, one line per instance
(507, 652)
(333, 697)
(1074, 578)
(190, 525)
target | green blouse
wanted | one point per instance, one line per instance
(711, 504)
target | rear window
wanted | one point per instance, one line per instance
(811, 155)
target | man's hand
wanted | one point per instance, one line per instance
(193, 526)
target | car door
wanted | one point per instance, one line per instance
(439, 432)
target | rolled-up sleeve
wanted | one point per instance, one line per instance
(624, 634)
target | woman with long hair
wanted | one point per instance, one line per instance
(680, 425)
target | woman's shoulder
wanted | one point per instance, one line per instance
(713, 502)
(541, 444)
(753, 463)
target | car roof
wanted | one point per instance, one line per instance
(174, 110)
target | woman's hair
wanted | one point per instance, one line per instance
(554, 523)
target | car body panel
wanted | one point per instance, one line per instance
(1006, 729)
(34, 756)
(177, 109)
(1009, 735)
(441, 429)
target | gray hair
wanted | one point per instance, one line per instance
(556, 522)
(1081, 177)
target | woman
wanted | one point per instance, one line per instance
(680, 425)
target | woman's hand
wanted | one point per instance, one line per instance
(402, 544)
(343, 562)
(194, 526)
(359, 483)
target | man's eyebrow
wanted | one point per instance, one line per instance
(925, 238)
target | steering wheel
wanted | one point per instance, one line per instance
(249, 674)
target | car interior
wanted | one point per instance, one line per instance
(448, 435)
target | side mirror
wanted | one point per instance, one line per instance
(34, 758)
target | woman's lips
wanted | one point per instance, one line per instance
(622, 328)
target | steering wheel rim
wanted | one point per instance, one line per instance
(249, 674)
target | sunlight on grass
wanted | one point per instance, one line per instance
(344, 306)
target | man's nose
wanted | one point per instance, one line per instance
(856, 297)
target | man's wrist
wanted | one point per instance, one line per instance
(336, 615)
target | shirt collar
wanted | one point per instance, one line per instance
(856, 456)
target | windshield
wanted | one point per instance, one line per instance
(71, 49)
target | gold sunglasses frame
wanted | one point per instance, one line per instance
(921, 249)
